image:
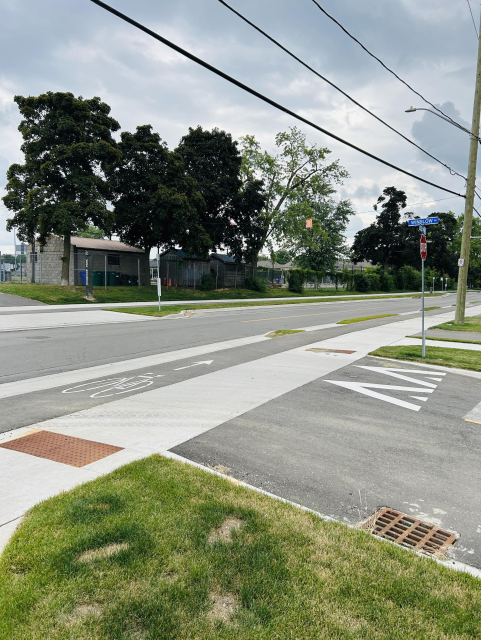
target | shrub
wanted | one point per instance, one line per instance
(207, 282)
(296, 278)
(386, 282)
(411, 278)
(374, 280)
(361, 282)
(255, 284)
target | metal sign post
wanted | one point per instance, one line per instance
(159, 281)
(88, 277)
(424, 253)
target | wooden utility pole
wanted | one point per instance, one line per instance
(470, 193)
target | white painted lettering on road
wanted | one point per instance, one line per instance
(114, 386)
(367, 388)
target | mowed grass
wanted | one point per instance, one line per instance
(160, 550)
(352, 320)
(446, 357)
(283, 332)
(55, 294)
(470, 324)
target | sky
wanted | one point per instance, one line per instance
(53, 45)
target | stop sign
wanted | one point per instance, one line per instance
(424, 247)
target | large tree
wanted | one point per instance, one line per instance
(233, 215)
(156, 204)
(320, 247)
(383, 241)
(297, 172)
(61, 187)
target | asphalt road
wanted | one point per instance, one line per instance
(34, 353)
(7, 300)
(346, 454)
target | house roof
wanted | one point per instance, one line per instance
(183, 255)
(268, 264)
(103, 245)
(223, 257)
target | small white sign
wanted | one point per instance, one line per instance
(461, 262)
(159, 287)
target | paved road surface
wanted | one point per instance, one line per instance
(7, 300)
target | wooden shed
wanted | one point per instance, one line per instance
(226, 271)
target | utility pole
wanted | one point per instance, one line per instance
(470, 188)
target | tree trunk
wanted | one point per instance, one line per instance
(65, 261)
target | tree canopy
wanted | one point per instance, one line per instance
(233, 214)
(382, 242)
(61, 188)
(155, 203)
(297, 173)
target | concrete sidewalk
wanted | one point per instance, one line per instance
(39, 306)
(158, 420)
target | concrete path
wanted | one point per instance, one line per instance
(119, 305)
(9, 302)
(474, 336)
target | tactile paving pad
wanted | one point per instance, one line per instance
(76, 452)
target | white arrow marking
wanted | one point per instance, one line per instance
(365, 388)
(195, 365)
(419, 398)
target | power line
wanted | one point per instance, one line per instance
(414, 204)
(380, 61)
(452, 171)
(262, 97)
(472, 18)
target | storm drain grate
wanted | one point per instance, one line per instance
(316, 350)
(409, 532)
(76, 452)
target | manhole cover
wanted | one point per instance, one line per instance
(316, 350)
(76, 452)
(409, 532)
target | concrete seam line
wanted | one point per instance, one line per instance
(454, 565)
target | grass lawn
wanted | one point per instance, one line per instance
(445, 357)
(470, 324)
(352, 320)
(55, 294)
(283, 332)
(159, 550)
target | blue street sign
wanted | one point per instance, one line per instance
(422, 221)
(422, 229)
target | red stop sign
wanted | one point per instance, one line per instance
(424, 247)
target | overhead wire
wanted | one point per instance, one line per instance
(472, 18)
(414, 204)
(278, 44)
(380, 61)
(262, 97)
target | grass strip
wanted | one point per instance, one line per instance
(352, 320)
(445, 357)
(169, 310)
(283, 332)
(431, 308)
(161, 550)
(470, 324)
(448, 339)
(55, 294)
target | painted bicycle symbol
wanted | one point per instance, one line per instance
(113, 386)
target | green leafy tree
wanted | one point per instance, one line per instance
(61, 187)
(442, 253)
(283, 256)
(320, 247)
(156, 204)
(233, 214)
(296, 173)
(383, 241)
(91, 232)
(474, 268)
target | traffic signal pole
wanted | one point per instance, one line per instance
(470, 193)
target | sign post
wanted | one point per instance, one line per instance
(159, 281)
(88, 277)
(424, 253)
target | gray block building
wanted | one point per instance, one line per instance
(113, 263)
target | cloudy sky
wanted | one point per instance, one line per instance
(59, 45)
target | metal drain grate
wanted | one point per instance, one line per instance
(316, 350)
(409, 532)
(76, 452)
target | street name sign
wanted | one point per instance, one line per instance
(422, 222)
